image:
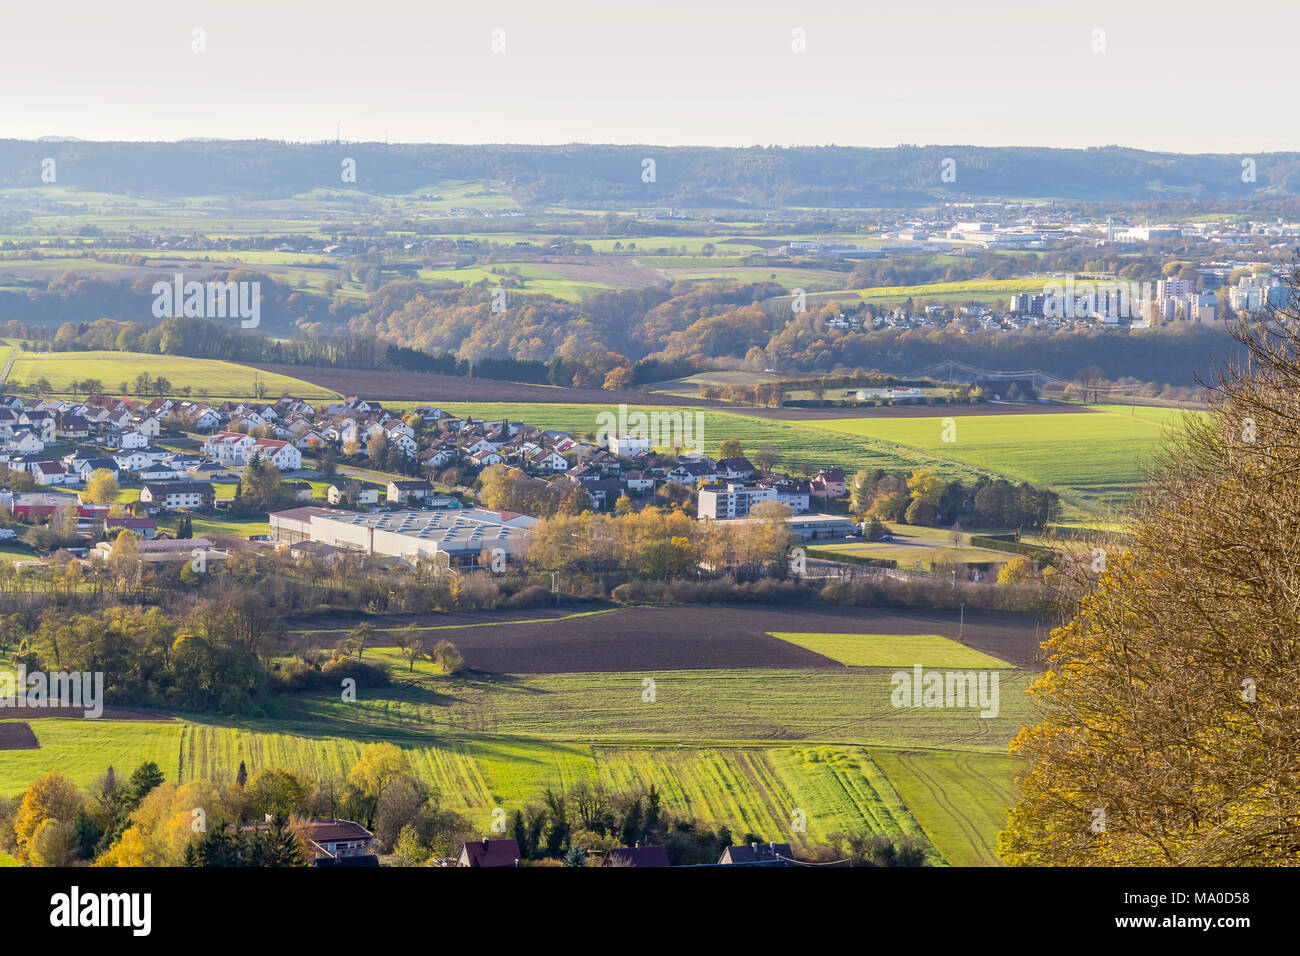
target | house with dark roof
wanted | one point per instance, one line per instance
(401, 491)
(141, 527)
(636, 856)
(336, 839)
(50, 473)
(734, 469)
(758, 854)
(488, 852)
(829, 483)
(171, 495)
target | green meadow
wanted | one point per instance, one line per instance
(751, 749)
(112, 368)
(795, 442)
(1091, 458)
(892, 650)
(960, 800)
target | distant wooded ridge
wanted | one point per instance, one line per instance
(584, 176)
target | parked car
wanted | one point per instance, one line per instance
(8, 534)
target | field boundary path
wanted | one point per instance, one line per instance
(9, 364)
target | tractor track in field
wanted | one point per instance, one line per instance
(941, 798)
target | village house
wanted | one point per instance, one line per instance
(227, 447)
(636, 856)
(353, 491)
(282, 454)
(758, 854)
(141, 527)
(734, 469)
(337, 839)
(416, 490)
(829, 483)
(171, 496)
(51, 473)
(488, 852)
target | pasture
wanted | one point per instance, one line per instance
(1090, 459)
(984, 291)
(797, 445)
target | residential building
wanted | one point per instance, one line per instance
(173, 495)
(636, 856)
(488, 852)
(732, 500)
(758, 854)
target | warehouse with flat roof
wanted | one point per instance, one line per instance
(462, 535)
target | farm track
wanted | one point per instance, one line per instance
(9, 364)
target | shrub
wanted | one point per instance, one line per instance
(448, 658)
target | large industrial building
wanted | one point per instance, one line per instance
(462, 534)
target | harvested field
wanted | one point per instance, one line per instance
(696, 637)
(601, 272)
(79, 713)
(427, 387)
(17, 735)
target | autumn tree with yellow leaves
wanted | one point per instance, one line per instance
(1169, 704)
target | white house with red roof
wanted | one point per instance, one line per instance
(228, 448)
(282, 454)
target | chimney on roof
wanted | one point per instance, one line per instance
(485, 843)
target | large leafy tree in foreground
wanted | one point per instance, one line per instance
(1170, 707)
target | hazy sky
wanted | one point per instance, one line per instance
(1188, 76)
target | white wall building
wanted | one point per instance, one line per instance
(723, 502)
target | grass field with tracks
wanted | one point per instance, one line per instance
(742, 748)
(960, 800)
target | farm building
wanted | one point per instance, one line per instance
(167, 549)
